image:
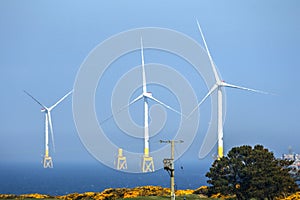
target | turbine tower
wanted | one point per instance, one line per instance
(218, 86)
(147, 162)
(47, 162)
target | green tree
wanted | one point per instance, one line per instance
(250, 173)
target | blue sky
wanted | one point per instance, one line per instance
(43, 43)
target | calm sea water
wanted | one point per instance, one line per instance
(70, 178)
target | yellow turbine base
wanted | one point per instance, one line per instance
(146, 152)
(220, 152)
(47, 153)
(120, 152)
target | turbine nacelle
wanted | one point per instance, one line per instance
(45, 110)
(220, 83)
(147, 94)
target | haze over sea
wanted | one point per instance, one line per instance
(90, 177)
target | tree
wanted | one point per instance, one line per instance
(250, 173)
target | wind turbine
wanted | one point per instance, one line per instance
(218, 87)
(47, 162)
(147, 163)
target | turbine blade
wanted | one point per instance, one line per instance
(243, 88)
(143, 68)
(208, 53)
(165, 105)
(123, 108)
(51, 129)
(215, 86)
(35, 100)
(61, 100)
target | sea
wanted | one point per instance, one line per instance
(66, 178)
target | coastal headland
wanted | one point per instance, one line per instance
(143, 192)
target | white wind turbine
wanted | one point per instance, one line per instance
(218, 86)
(147, 165)
(47, 162)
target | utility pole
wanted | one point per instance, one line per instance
(169, 165)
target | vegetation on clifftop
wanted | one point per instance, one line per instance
(139, 193)
(114, 194)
